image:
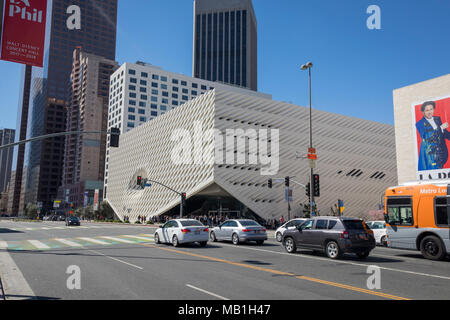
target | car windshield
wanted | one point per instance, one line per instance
(191, 223)
(353, 224)
(249, 224)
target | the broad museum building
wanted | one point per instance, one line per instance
(222, 147)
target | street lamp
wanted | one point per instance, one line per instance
(308, 66)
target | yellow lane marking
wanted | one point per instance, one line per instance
(248, 266)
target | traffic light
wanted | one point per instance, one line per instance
(115, 135)
(270, 183)
(139, 181)
(183, 199)
(316, 181)
(287, 182)
(308, 190)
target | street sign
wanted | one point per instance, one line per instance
(312, 156)
(312, 164)
(288, 195)
(312, 150)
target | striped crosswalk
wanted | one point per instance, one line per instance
(80, 242)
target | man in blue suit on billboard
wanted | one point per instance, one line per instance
(433, 154)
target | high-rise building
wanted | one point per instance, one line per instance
(6, 156)
(140, 92)
(15, 187)
(225, 42)
(43, 161)
(84, 160)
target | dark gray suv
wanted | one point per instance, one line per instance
(333, 235)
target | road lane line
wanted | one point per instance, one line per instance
(118, 260)
(95, 241)
(38, 244)
(69, 243)
(3, 245)
(341, 262)
(248, 266)
(118, 240)
(207, 292)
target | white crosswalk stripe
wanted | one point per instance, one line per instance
(38, 244)
(96, 241)
(69, 243)
(3, 245)
(140, 238)
(118, 239)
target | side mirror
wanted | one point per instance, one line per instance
(161, 226)
(386, 218)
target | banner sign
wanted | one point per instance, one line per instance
(86, 198)
(23, 34)
(96, 195)
(431, 120)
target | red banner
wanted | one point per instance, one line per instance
(23, 36)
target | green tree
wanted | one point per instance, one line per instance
(31, 211)
(105, 211)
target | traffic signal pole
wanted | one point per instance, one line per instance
(55, 135)
(181, 194)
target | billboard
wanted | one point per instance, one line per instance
(432, 141)
(23, 32)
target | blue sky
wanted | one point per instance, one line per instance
(355, 69)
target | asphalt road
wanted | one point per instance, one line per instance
(122, 262)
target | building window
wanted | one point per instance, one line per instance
(155, 92)
(131, 117)
(174, 103)
(143, 83)
(144, 97)
(142, 89)
(154, 106)
(194, 93)
(184, 83)
(131, 87)
(163, 79)
(132, 72)
(174, 81)
(141, 111)
(143, 119)
(132, 102)
(194, 85)
(142, 104)
(130, 125)
(144, 74)
(175, 89)
(133, 80)
(154, 84)
(154, 113)
(155, 77)
(132, 95)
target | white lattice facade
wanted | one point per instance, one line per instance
(356, 158)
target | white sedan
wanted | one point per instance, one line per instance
(288, 225)
(379, 231)
(180, 231)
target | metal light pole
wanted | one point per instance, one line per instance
(308, 66)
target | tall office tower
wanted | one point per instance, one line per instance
(6, 156)
(225, 42)
(84, 160)
(15, 186)
(49, 90)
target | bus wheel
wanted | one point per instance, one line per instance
(432, 248)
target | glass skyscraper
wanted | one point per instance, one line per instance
(49, 89)
(225, 42)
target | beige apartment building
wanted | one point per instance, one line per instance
(84, 159)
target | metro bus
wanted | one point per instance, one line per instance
(418, 218)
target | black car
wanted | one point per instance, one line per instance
(333, 235)
(72, 221)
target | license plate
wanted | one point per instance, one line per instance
(256, 231)
(363, 237)
(197, 232)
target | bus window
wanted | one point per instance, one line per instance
(441, 211)
(400, 211)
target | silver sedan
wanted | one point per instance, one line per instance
(239, 231)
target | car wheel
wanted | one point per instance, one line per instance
(212, 236)
(289, 245)
(175, 241)
(260, 242)
(332, 250)
(235, 239)
(203, 244)
(279, 237)
(157, 241)
(432, 248)
(363, 255)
